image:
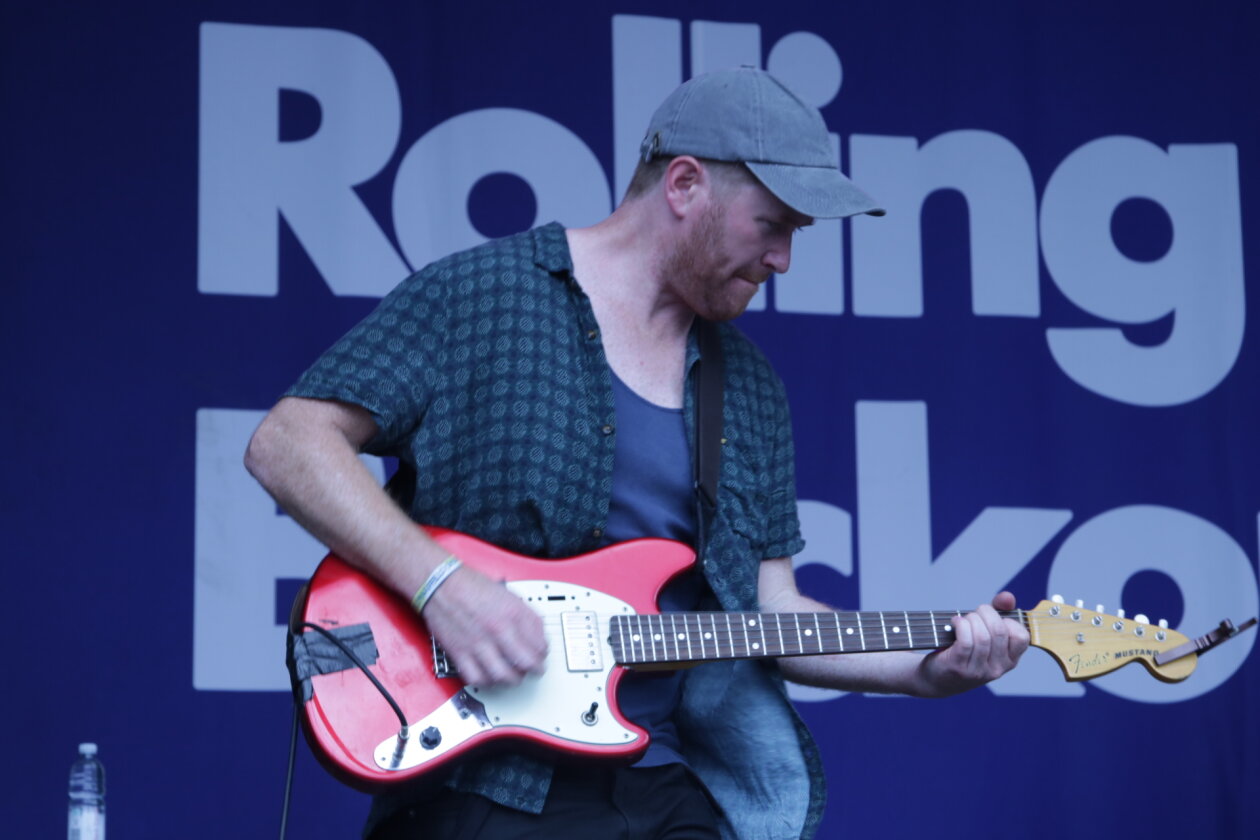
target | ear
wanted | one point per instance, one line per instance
(686, 184)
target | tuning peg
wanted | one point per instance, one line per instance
(1099, 608)
(1141, 619)
(1058, 599)
(1163, 624)
(1119, 613)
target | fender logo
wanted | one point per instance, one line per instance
(1096, 661)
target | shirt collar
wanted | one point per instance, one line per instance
(551, 249)
(551, 254)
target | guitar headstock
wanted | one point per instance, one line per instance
(1090, 643)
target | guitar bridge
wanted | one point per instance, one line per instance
(442, 667)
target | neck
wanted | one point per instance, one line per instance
(671, 638)
(618, 263)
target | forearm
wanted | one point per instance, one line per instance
(885, 672)
(305, 454)
(985, 647)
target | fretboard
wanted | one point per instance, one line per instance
(680, 637)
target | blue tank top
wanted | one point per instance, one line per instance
(653, 496)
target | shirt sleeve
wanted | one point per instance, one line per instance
(390, 362)
(783, 527)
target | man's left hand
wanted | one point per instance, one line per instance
(985, 647)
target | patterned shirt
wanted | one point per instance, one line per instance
(486, 374)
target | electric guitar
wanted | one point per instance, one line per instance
(402, 711)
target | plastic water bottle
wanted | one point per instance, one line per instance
(87, 796)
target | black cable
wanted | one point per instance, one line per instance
(288, 776)
(353, 657)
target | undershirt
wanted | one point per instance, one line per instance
(653, 496)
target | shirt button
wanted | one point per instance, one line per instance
(608, 430)
(592, 334)
(597, 533)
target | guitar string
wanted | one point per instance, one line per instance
(779, 637)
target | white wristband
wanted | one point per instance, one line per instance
(436, 578)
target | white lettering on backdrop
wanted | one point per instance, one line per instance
(250, 178)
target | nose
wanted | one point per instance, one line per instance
(779, 257)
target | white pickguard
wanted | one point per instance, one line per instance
(557, 703)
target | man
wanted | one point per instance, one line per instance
(539, 387)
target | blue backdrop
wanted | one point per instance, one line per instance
(1035, 372)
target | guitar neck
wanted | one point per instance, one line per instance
(686, 637)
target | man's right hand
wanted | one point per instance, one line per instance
(306, 453)
(490, 634)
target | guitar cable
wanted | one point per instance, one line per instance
(288, 776)
(403, 732)
(353, 657)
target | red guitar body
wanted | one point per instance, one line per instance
(353, 730)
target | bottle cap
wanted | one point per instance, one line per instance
(87, 749)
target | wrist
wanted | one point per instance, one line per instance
(436, 578)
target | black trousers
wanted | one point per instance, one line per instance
(628, 803)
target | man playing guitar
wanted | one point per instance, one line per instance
(536, 391)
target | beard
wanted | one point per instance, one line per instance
(697, 269)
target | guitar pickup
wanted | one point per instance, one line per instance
(582, 649)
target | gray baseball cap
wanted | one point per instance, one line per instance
(746, 115)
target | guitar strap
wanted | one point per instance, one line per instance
(708, 459)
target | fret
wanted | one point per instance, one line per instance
(637, 638)
(653, 635)
(839, 631)
(673, 630)
(818, 630)
(800, 641)
(936, 640)
(730, 635)
(687, 633)
(883, 628)
(909, 635)
(627, 638)
(861, 630)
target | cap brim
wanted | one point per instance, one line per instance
(820, 192)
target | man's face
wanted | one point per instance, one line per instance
(741, 236)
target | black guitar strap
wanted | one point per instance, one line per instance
(708, 460)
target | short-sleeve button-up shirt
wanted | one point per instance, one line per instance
(486, 375)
